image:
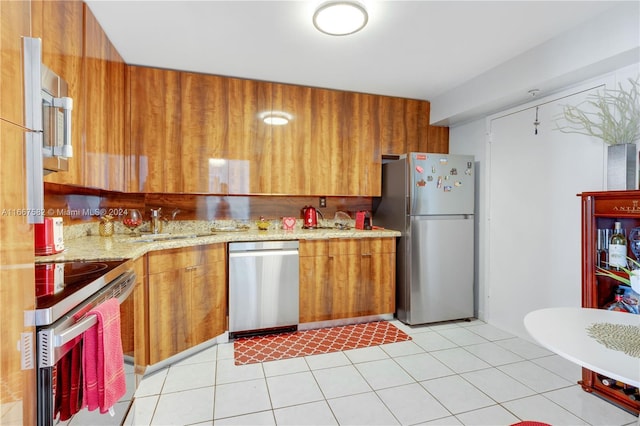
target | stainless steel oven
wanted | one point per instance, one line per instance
(65, 292)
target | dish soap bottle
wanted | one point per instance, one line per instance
(618, 248)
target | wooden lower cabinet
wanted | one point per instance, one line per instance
(346, 278)
(186, 298)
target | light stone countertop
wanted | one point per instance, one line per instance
(122, 246)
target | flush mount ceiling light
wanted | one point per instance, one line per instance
(340, 17)
(276, 118)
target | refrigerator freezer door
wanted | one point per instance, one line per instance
(441, 184)
(441, 272)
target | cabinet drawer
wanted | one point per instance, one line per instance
(377, 245)
(309, 248)
(347, 246)
(167, 260)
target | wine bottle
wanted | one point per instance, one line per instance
(617, 248)
(618, 305)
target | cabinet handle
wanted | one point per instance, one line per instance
(190, 268)
(366, 254)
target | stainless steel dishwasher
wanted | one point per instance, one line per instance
(263, 287)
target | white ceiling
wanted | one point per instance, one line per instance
(414, 49)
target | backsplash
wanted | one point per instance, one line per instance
(84, 206)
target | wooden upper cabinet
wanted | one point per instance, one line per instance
(438, 140)
(198, 133)
(204, 132)
(14, 24)
(327, 161)
(361, 146)
(249, 145)
(404, 127)
(155, 113)
(104, 109)
(60, 26)
(291, 143)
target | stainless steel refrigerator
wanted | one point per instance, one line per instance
(430, 199)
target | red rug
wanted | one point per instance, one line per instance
(272, 347)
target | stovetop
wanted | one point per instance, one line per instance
(60, 287)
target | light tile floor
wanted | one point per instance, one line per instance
(458, 373)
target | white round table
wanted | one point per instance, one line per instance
(564, 331)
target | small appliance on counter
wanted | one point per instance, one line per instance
(310, 215)
(49, 237)
(363, 220)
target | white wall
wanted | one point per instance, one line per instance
(608, 42)
(469, 140)
(537, 272)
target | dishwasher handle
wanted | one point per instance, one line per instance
(263, 253)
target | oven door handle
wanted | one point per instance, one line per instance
(54, 342)
(89, 321)
(75, 330)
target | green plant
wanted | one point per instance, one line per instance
(620, 278)
(613, 115)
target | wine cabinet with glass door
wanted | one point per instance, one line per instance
(600, 211)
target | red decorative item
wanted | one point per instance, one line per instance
(288, 223)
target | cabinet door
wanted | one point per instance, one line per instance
(16, 298)
(249, 138)
(187, 298)
(361, 146)
(104, 106)
(438, 139)
(374, 290)
(60, 25)
(209, 296)
(316, 283)
(403, 125)
(169, 310)
(155, 130)
(290, 148)
(14, 24)
(204, 129)
(327, 161)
